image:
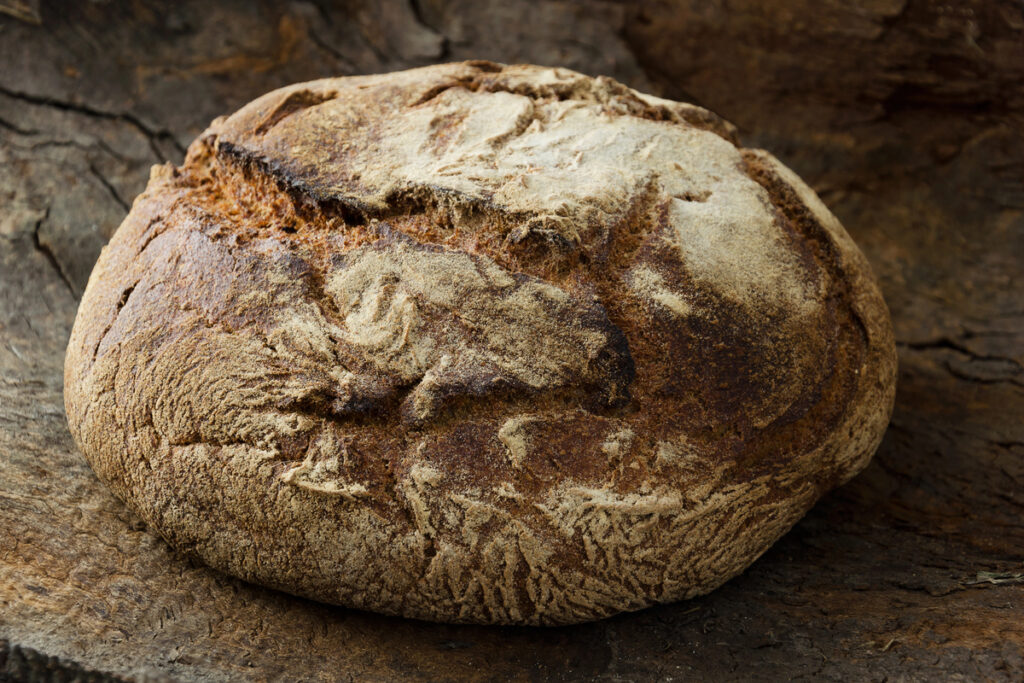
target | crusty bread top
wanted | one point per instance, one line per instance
(471, 289)
(534, 168)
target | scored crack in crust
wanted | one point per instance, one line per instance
(478, 343)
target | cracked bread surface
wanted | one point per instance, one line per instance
(478, 343)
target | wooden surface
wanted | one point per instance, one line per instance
(907, 116)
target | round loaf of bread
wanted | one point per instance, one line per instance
(478, 343)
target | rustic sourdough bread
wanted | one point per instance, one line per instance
(478, 343)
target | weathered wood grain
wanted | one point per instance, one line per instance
(906, 115)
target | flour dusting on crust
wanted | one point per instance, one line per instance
(478, 343)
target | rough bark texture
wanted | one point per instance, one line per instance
(906, 116)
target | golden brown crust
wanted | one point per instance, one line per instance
(478, 343)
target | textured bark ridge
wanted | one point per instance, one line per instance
(478, 343)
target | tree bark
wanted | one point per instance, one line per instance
(907, 116)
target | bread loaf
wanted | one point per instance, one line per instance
(478, 343)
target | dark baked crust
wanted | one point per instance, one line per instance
(478, 343)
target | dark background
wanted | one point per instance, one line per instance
(907, 117)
